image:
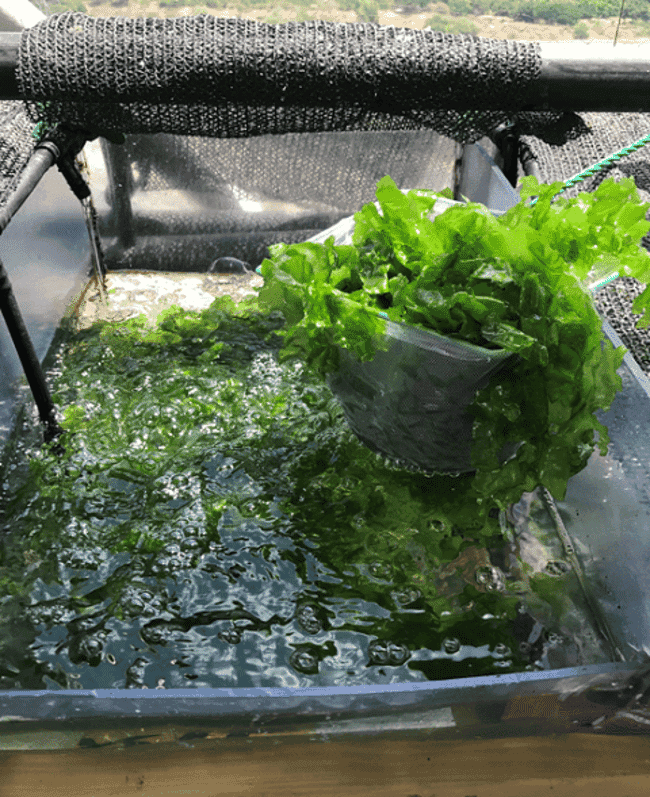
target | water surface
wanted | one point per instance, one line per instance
(212, 521)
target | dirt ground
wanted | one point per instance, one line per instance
(489, 26)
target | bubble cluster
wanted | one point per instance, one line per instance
(308, 620)
(387, 653)
(557, 567)
(230, 635)
(490, 578)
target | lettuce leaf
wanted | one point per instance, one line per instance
(518, 282)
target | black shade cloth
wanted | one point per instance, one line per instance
(206, 75)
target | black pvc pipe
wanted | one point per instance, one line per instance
(573, 78)
(507, 141)
(61, 145)
(9, 44)
(28, 357)
(583, 79)
(40, 161)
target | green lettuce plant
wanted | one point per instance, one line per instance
(518, 282)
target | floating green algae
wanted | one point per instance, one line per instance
(213, 522)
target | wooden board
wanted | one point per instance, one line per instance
(573, 765)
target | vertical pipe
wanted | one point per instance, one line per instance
(28, 357)
(120, 186)
(506, 138)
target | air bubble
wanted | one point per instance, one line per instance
(190, 544)
(93, 646)
(88, 649)
(378, 652)
(501, 649)
(154, 634)
(133, 604)
(397, 654)
(451, 645)
(304, 662)
(83, 624)
(135, 674)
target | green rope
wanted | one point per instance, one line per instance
(608, 161)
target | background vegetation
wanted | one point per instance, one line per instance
(453, 16)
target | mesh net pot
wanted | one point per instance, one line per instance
(411, 402)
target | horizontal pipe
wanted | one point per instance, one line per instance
(594, 76)
(577, 76)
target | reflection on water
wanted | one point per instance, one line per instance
(215, 523)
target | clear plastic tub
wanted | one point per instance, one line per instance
(410, 402)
